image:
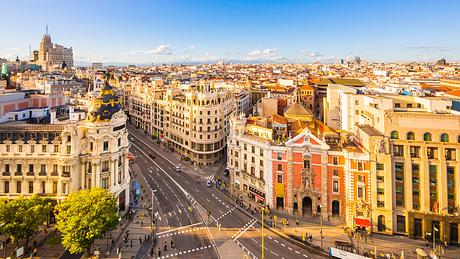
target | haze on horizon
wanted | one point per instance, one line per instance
(175, 31)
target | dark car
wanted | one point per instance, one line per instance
(152, 156)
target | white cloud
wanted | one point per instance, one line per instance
(188, 49)
(265, 54)
(164, 49)
(207, 54)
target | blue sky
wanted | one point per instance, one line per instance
(199, 30)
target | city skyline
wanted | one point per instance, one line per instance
(237, 31)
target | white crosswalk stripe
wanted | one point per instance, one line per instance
(210, 178)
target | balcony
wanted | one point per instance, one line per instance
(18, 173)
(6, 173)
(30, 174)
(42, 173)
(65, 174)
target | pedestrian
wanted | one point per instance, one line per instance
(35, 244)
(172, 244)
(118, 250)
(142, 223)
(310, 236)
(140, 240)
(131, 243)
(159, 252)
(297, 221)
(166, 247)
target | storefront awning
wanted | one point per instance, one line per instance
(360, 222)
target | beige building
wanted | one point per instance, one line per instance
(56, 159)
(414, 146)
(53, 55)
(191, 119)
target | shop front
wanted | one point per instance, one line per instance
(256, 195)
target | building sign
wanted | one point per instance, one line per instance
(258, 193)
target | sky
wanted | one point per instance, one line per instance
(175, 31)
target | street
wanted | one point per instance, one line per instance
(183, 202)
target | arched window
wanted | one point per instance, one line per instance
(427, 136)
(394, 135)
(444, 137)
(410, 135)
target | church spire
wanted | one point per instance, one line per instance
(46, 33)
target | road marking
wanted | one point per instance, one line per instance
(246, 228)
(289, 248)
(297, 252)
(274, 253)
(175, 229)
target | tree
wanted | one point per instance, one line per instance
(84, 216)
(21, 217)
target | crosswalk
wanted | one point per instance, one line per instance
(210, 178)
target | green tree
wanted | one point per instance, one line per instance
(84, 216)
(21, 217)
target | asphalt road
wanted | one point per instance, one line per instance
(176, 189)
(174, 220)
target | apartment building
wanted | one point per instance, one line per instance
(56, 159)
(414, 146)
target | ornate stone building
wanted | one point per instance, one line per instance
(56, 159)
(52, 56)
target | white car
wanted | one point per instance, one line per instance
(178, 169)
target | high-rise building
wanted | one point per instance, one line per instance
(52, 56)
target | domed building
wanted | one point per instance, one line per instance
(104, 106)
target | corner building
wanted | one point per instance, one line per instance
(56, 159)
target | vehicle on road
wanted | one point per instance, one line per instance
(152, 156)
(208, 183)
(178, 169)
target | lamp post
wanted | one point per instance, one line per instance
(321, 224)
(153, 216)
(434, 238)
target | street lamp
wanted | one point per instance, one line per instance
(434, 238)
(153, 217)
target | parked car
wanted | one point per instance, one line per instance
(208, 183)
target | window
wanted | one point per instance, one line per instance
(105, 183)
(444, 137)
(19, 168)
(397, 105)
(361, 192)
(335, 160)
(410, 135)
(56, 148)
(31, 168)
(7, 148)
(69, 138)
(119, 142)
(7, 168)
(399, 183)
(280, 167)
(43, 148)
(91, 146)
(68, 150)
(398, 150)
(245, 146)
(279, 155)
(261, 152)
(261, 174)
(43, 187)
(335, 186)
(18, 186)
(401, 223)
(414, 151)
(253, 149)
(6, 187)
(32, 148)
(106, 146)
(335, 172)
(360, 165)
(105, 166)
(394, 135)
(55, 185)
(380, 166)
(409, 105)
(279, 178)
(31, 187)
(64, 188)
(427, 136)
(261, 163)
(20, 148)
(43, 168)
(55, 168)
